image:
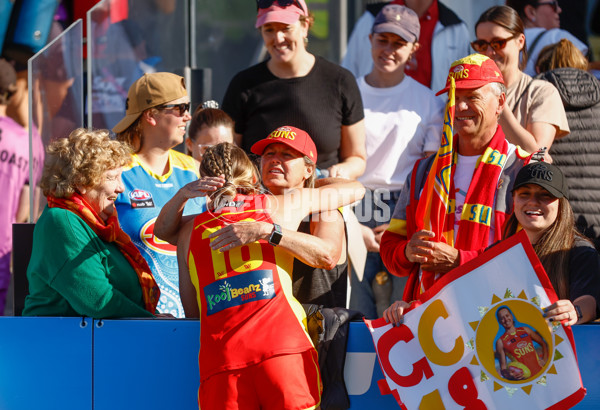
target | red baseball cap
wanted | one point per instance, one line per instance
(290, 136)
(473, 71)
(275, 13)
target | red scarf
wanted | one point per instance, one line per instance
(478, 210)
(110, 231)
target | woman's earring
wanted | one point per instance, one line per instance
(306, 40)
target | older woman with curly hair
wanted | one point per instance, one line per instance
(82, 263)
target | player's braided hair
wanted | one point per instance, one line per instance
(239, 172)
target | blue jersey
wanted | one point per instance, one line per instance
(137, 207)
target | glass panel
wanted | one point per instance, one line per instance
(125, 40)
(55, 97)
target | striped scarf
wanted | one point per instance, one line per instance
(435, 210)
(110, 231)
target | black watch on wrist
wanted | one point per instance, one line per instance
(276, 235)
(578, 310)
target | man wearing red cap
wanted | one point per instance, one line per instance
(483, 167)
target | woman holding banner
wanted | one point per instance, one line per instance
(542, 210)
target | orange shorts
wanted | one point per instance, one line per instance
(290, 382)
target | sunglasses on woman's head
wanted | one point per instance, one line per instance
(181, 107)
(265, 4)
(497, 44)
(553, 4)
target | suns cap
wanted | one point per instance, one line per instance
(473, 71)
(548, 176)
(291, 136)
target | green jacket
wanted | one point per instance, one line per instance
(72, 272)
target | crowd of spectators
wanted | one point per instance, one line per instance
(131, 223)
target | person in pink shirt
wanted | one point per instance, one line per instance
(14, 175)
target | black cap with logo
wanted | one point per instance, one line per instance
(546, 175)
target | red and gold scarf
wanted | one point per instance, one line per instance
(110, 231)
(435, 210)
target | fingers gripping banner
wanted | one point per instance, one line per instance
(478, 339)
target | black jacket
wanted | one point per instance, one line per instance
(578, 154)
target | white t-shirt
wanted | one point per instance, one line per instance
(401, 123)
(549, 37)
(463, 174)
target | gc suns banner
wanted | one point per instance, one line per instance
(478, 339)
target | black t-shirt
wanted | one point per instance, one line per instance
(318, 103)
(319, 286)
(584, 272)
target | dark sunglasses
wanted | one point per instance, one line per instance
(181, 107)
(265, 4)
(553, 4)
(497, 44)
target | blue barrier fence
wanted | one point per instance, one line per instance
(78, 364)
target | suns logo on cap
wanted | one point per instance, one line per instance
(283, 132)
(539, 171)
(459, 72)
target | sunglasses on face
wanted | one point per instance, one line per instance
(497, 44)
(203, 147)
(265, 4)
(553, 4)
(181, 107)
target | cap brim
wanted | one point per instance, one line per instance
(277, 16)
(555, 192)
(259, 147)
(395, 29)
(125, 122)
(470, 85)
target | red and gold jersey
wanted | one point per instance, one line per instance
(520, 347)
(247, 310)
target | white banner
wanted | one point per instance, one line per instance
(478, 339)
